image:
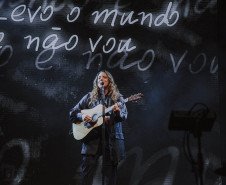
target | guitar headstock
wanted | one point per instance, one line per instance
(135, 97)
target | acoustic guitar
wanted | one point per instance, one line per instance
(80, 130)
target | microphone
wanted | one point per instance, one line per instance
(101, 83)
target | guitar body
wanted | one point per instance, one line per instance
(79, 129)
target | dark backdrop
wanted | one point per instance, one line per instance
(173, 66)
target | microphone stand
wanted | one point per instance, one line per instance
(103, 132)
(198, 134)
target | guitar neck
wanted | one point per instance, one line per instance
(110, 108)
(131, 98)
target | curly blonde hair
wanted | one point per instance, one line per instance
(112, 88)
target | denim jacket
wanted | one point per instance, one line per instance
(115, 138)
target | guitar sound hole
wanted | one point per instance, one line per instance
(95, 117)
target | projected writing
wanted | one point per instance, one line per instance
(44, 13)
(110, 45)
(159, 20)
(51, 42)
(198, 7)
(148, 59)
(5, 55)
(26, 157)
(6, 51)
(142, 165)
(1, 38)
(18, 13)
